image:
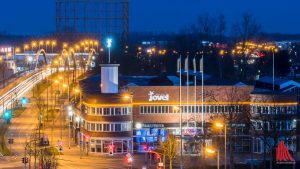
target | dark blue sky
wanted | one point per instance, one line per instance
(38, 16)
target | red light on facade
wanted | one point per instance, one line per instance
(129, 160)
(146, 147)
(157, 157)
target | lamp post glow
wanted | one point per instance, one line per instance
(221, 125)
(212, 151)
(138, 125)
(108, 44)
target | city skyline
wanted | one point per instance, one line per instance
(157, 16)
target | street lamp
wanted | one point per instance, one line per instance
(56, 93)
(177, 109)
(274, 50)
(53, 43)
(70, 113)
(108, 44)
(65, 45)
(76, 91)
(213, 151)
(47, 44)
(26, 47)
(129, 97)
(41, 43)
(18, 50)
(221, 125)
(96, 43)
(33, 45)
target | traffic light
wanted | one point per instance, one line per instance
(7, 115)
(111, 149)
(87, 138)
(157, 157)
(129, 160)
(146, 147)
(24, 101)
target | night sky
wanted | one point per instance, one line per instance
(38, 16)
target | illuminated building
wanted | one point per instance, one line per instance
(146, 108)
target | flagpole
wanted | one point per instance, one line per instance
(202, 93)
(195, 94)
(202, 104)
(187, 90)
(180, 109)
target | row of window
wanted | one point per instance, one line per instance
(190, 109)
(271, 110)
(108, 111)
(281, 125)
(107, 127)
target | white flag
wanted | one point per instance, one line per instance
(186, 64)
(201, 65)
(178, 64)
(194, 64)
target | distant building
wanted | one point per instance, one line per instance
(283, 85)
(8, 69)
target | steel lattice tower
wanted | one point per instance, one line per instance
(98, 18)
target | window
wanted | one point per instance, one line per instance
(112, 111)
(118, 127)
(106, 127)
(99, 127)
(124, 110)
(92, 126)
(112, 127)
(117, 111)
(93, 111)
(99, 111)
(106, 111)
(259, 125)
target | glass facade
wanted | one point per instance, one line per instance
(110, 146)
(150, 137)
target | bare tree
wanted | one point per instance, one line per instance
(232, 114)
(206, 26)
(169, 149)
(245, 30)
(221, 27)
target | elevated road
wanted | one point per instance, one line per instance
(18, 89)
